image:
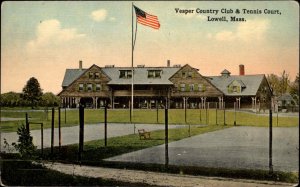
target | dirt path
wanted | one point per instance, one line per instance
(155, 178)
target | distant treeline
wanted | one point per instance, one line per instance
(13, 99)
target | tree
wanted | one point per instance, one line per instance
(279, 84)
(32, 91)
(24, 145)
(294, 89)
(49, 100)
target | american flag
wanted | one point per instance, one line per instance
(146, 19)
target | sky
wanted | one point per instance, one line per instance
(43, 39)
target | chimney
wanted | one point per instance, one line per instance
(80, 64)
(242, 69)
(168, 63)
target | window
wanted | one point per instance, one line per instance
(183, 75)
(98, 87)
(200, 87)
(80, 87)
(191, 87)
(91, 75)
(190, 74)
(234, 89)
(97, 75)
(89, 87)
(154, 73)
(182, 87)
(125, 74)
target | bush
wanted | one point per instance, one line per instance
(24, 144)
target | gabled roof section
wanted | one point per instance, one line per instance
(140, 75)
(252, 83)
(71, 75)
(239, 82)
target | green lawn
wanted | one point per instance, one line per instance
(176, 116)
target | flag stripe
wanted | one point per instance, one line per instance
(146, 19)
(154, 22)
(153, 25)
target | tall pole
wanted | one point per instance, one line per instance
(105, 125)
(59, 129)
(52, 131)
(166, 139)
(270, 142)
(132, 79)
(81, 131)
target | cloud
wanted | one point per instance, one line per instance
(99, 15)
(49, 32)
(251, 30)
(224, 36)
(112, 19)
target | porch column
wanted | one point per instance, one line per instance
(238, 101)
(203, 102)
(96, 104)
(77, 101)
(255, 104)
(221, 102)
(184, 104)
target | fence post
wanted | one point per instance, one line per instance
(270, 142)
(234, 113)
(59, 129)
(26, 122)
(42, 138)
(81, 131)
(105, 125)
(200, 111)
(65, 115)
(52, 131)
(206, 115)
(166, 139)
(156, 111)
(224, 115)
(185, 103)
(216, 113)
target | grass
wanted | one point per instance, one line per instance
(24, 173)
(176, 116)
(95, 152)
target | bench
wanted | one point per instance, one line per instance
(144, 134)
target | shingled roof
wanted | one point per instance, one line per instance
(251, 83)
(71, 75)
(140, 75)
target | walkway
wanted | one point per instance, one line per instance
(156, 178)
(70, 135)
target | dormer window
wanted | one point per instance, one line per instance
(236, 86)
(91, 75)
(98, 87)
(80, 87)
(97, 75)
(154, 73)
(89, 87)
(125, 74)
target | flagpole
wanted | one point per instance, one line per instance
(132, 73)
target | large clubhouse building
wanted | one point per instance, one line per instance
(177, 86)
